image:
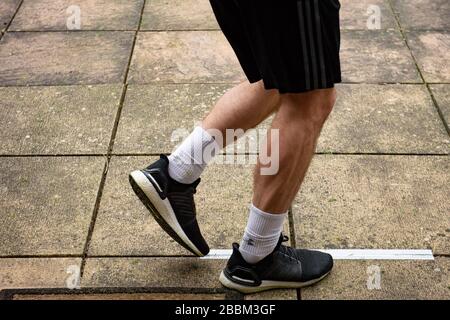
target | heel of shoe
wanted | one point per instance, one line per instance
(236, 286)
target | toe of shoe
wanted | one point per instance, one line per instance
(192, 230)
(316, 264)
(203, 247)
(326, 262)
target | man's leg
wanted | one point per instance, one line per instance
(243, 107)
(299, 121)
(261, 262)
(167, 186)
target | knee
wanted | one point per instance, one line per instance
(312, 107)
(269, 100)
(328, 104)
(272, 97)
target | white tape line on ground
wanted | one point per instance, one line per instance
(352, 254)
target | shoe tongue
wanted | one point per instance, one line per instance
(280, 241)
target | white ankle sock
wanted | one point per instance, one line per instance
(188, 161)
(261, 234)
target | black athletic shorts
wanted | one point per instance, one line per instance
(292, 45)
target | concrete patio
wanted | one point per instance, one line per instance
(80, 109)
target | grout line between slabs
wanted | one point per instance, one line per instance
(11, 20)
(419, 70)
(293, 242)
(438, 109)
(110, 149)
(155, 154)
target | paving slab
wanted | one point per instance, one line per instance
(121, 296)
(357, 15)
(57, 120)
(289, 294)
(153, 116)
(47, 203)
(165, 273)
(376, 56)
(384, 119)
(441, 93)
(379, 202)
(416, 14)
(7, 10)
(431, 48)
(124, 226)
(399, 280)
(56, 58)
(31, 273)
(178, 15)
(184, 57)
(44, 15)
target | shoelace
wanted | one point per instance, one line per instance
(288, 251)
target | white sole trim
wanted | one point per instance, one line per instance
(164, 208)
(266, 284)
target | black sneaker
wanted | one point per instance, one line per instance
(285, 267)
(171, 203)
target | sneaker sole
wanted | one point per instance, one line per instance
(266, 284)
(161, 210)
